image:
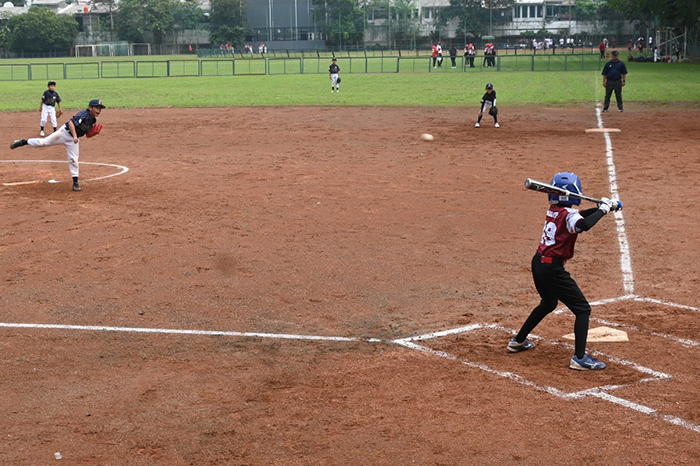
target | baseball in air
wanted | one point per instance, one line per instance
(427, 137)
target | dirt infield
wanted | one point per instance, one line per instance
(316, 241)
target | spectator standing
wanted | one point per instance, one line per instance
(453, 56)
(469, 54)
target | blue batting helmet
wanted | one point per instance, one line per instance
(570, 182)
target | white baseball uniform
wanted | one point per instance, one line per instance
(61, 136)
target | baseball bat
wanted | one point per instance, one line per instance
(549, 189)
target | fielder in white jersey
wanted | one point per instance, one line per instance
(49, 100)
(334, 73)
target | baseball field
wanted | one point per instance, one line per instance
(260, 272)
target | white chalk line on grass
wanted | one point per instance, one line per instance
(122, 168)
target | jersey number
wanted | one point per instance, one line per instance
(550, 230)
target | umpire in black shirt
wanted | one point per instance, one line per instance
(614, 78)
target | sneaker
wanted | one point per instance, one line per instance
(76, 186)
(586, 363)
(621, 110)
(497, 125)
(477, 125)
(18, 143)
(605, 110)
(41, 133)
(515, 347)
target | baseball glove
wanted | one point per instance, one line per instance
(95, 130)
(338, 81)
(59, 113)
(493, 111)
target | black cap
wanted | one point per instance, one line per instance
(51, 83)
(614, 53)
(335, 59)
(489, 86)
(96, 103)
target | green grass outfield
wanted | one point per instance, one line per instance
(647, 82)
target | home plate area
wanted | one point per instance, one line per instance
(666, 395)
(545, 367)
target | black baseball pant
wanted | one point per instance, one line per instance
(555, 284)
(616, 86)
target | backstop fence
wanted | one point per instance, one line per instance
(291, 65)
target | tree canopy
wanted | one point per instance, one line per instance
(137, 18)
(474, 16)
(229, 24)
(41, 29)
(668, 13)
(343, 21)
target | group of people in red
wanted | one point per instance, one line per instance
(469, 55)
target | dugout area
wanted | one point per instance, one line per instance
(272, 224)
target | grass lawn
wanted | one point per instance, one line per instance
(646, 82)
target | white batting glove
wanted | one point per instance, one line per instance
(605, 205)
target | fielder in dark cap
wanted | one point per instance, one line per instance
(614, 78)
(84, 123)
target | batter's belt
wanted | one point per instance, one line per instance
(552, 260)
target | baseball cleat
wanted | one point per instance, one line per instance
(586, 363)
(496, 125)
(621, 110)
(477, 125)
(515, 347)
(18, 143)
(605, 110)
(76, 186)
(41, 133)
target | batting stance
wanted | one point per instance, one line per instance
(334, 73)
(48, 107)
(82, 124)
(488, 104)
(561, 228)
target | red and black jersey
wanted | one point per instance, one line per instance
(560, 232)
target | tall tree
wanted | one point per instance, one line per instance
(137, 18)
(669, 13)
(343, 21)
(41, 30)
(229, 24)
(474, 16)
(403, 27)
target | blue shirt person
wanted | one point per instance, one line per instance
(614, 78)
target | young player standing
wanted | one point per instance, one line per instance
(48, 107)
(83, 123)
(488, 102)
(561, 229)
(334, 73)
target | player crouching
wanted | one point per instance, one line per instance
(562, 226)
(84, 123)
(488, 104)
